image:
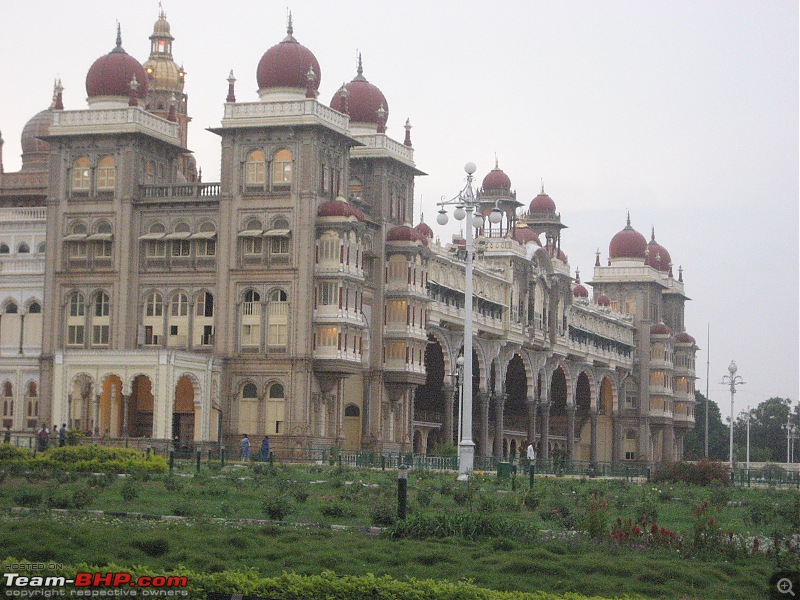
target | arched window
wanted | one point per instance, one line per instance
(255, 169)
(12, 308)
(206, 239)
(80, 174)
(102, 237)
(154, 307)
(251, 238)
(276, 408)
(156, 246)
(204, 304)
(77, 238)
(32, 389)
(179, 305)
(23, 248)
(8, 389)
(204, 321)
(251, 319)
(34, 308)
(282, 168)
(276, 391)
(249, 391)
(106, 174)
(4, 249)
(42, 247)
(278, 319)
(351, 410)
(101, 325)
(150, 173)
(180, 240)
(76, 310)
(279, 244)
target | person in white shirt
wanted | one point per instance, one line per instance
(531, 454)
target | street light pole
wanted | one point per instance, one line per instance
(466, 204)
(748, 439)
(733, 379)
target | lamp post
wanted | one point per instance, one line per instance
(465, 205)
(733, 380)
(460, 385)
(790, 431)
(747, 460)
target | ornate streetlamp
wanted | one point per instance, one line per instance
(733, 380)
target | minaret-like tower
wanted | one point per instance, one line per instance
(165, 87)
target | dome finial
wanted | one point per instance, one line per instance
(496, 164)
(652, 233)
(577, 275)
(628, 225)
(161, 13)
(542, 184)
(359, 69)
(597, 258)
(289, 28)
(231, 92)
(680, 273)
(119, 35)
(407, 141)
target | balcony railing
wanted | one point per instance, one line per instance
(181, 190)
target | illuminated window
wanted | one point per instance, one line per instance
(80, 174)
(255, 169)
(106, 174)
(282, 168)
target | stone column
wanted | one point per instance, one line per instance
(96, 415)
(668, 454)
(126, 399)
(483, 404)
(499, 408)
(532, 421)
(449, 400)
(570, 432)
(545, 435)
(593, 445)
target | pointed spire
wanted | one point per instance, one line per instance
(496, 164)
(161, 13)
(133, 99)
(118, 48)
(577, 275)
(360, 70)
(289, 29)
(670, 271)
(231, 93)
(597, 258)
(542, 184)
(59, 89)
(680, 273)
(407, 141)
(628, 226)
(200, 175)
(311, 77)
(652, 233)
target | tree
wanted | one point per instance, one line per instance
(694, 442)
(767, 430)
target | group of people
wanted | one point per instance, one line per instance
(43, 436)
(246, 448)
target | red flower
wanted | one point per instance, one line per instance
(636, 530)
(654, 529)
(756, 544)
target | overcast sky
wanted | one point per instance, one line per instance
(684, 113)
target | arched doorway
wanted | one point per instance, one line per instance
(558, 405)
(140, 407)
(183, 411)
(605, 421)
(583, 425)
(515, 413)
(430, 404)
(352, 427)
(80, 410)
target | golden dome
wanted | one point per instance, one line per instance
(164, 74)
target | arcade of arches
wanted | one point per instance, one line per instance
(567, 409)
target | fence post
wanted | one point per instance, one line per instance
(222, 455)
(171, 460)
(402, 491)
(199, 454)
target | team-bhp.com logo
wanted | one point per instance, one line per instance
(92, 584)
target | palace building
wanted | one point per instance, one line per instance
(295, 297)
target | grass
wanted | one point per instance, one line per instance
(557, 562)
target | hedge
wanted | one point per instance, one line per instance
(83, 459)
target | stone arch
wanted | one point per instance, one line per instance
(186, 407)
(111, 406)
(81, 400)
(141, 406)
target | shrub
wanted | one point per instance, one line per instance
(463, 494)
(59, 501)
(595, 517)
(130, 490)
(300, 493)
(469, 525)
(173, 484)
(531, 499)
(277, 505)
(99, 459)
(720, 495)
(82, 497)
(28, 498)
(425, 495)
(152, 547)
(383, 514)
(448, 449)
(700, 473)
(337, 509)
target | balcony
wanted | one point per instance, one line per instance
(154, 194)
(32, 265)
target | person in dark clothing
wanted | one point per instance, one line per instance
(265, 450)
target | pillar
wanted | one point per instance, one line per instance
(449, 393)
(483, 406)
(593, 415)
(499, 408)
(570, 431)
(532, 421)
(545, 435)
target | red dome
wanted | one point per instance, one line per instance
(339, 208)
(660, 329)
(579, 291)
(628, 243)
(524, 235)
(657, 255)
(542, 203)
(364, 100)
(684, 338)
(405, 233)
(111, 75)
(424, 230)
(496, 179)
(287, 64)
(603, 300)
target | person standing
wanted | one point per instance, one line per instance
(265, 450)
(42, 438)
(62, 436)
(245, 447)
(531, 455)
